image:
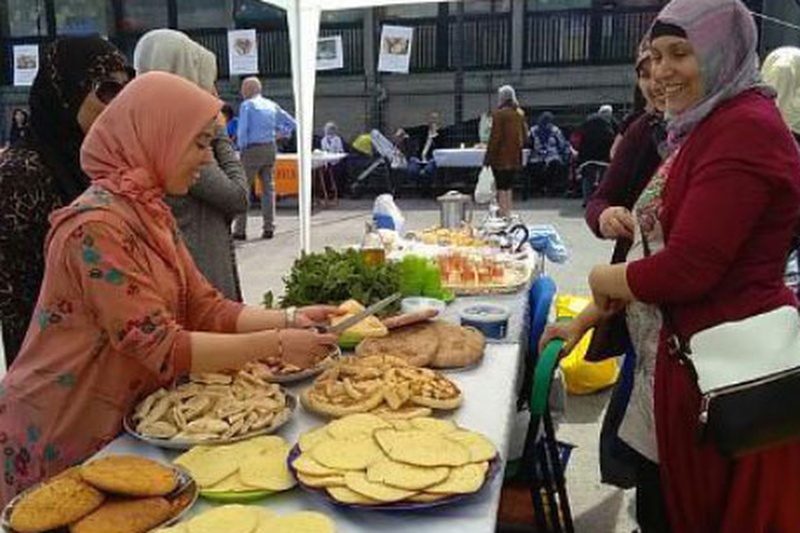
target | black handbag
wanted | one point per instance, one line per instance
(610, 337)
(748, 373)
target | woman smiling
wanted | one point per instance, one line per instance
(715, 222)
(718, 218)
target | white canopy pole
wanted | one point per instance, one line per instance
(303, 21)
(303, 18)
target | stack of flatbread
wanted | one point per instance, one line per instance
(257, 464)
(367, 460)
(252, 519)
(436, 344)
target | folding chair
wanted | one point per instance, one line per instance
(544, 459)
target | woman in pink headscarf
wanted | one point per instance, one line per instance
(123, 310)
(717, 220)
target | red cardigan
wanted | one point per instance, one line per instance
(731, 205)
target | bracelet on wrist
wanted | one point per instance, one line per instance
(291, 317)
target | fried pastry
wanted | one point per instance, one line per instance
(125, 516)
(130, 475)
(54, 504)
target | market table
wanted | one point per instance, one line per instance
(286, 183)
(466, 157)
(489, 403)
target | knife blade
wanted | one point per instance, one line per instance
(358, 317)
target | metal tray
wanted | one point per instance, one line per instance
(494, 468)
(187, 490)
(291, 406)
(335, 355)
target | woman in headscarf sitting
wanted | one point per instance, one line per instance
(549, 157)
(715, 225)
(78, 77)
(123, 310)
(504, 153)
(205, 214)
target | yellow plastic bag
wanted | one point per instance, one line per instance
(583, 377)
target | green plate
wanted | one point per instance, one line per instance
(236, 497)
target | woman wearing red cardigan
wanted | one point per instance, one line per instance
(719, 217)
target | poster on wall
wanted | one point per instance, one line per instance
(395, 53)
(330, 54)
(242, 52)
(26, 64)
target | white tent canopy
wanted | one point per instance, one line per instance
(303, 17)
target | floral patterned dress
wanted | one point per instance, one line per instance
(111, 324)
(638, 427)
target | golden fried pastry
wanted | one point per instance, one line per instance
(125, 516)
(383, 385)
(56, 503)
(130, 475)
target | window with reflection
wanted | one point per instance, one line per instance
(143, 15)
(550, 5)
(26, 18)
(483, 6)
(254, 13)
(82, 17)
(194, 14)
(342, 16)
(410, 11)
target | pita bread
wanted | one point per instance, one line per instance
(416, 344)
(458, 346)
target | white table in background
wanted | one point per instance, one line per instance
(489, 403)
(466, 157)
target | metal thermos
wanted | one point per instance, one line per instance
(455, 209)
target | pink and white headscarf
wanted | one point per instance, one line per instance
(723, 35)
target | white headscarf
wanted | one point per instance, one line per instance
(506, 95)
(781, 70)
(174, 52)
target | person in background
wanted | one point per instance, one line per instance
(624, 461)
(77, 78)
(550, 155)
(718, 219)
(504, 153)
(19, 126)
(261, 121)
(123, 310)
(231, 122)
(781, 70)
(594, 152)
(220, 193)
(331, 141)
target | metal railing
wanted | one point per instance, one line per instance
(584, 36)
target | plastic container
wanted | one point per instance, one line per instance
(488, 318)
(412, 304)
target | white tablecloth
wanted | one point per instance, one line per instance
(318, 159)
(489, 402)
(465, 157)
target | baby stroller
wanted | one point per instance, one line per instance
(589, 174)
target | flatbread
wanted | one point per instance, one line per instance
(416, 344)
(458, 346)
(358, 482)
(462, 480)
(404, 476)
(421, 448)
(345, 495)
(355, 454)
(228, 518)
(300, 522)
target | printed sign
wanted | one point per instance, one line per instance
(395, 53)
(242, 52)
(329, 53)
(26, 63)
